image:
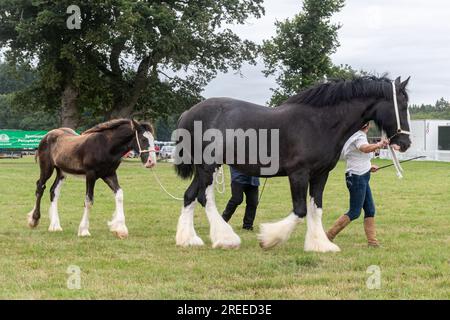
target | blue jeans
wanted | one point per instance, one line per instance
(360, 195)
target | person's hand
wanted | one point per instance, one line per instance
(383, 143)
(374, 168)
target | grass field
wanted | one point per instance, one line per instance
(413, 225)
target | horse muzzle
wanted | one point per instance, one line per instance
(400, 147)
(150, 163)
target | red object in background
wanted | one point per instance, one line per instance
(127, 154)
(157, 148)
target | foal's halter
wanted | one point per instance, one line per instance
(139, 146)
(397, 115)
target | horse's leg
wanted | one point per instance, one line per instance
(221, 233)
(46, 172)
(54, 195)
(186, 235)
(272, 234)
(83, 229)
(117, 225)
(316, 239)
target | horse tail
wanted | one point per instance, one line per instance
(184, 169)
(43, 145)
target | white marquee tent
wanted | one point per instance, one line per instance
(430, 138)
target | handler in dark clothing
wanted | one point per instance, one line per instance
(240, 184)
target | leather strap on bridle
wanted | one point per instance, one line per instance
(397, 114)
(139, 145)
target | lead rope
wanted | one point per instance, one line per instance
(164, 189)
(397, 165)
(395, 162)
(218, 181)
(262, 191)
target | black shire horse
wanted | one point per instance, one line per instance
(313, 126)
(95, 154)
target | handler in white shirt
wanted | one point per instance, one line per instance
(357, 152)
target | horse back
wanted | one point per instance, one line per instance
(60, 147)
(228, 112)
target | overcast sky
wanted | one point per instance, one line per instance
(402, 37)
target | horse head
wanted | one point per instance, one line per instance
(392, 116)
(144, 143)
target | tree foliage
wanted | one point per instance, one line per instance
(124, 49)
(299, 53)
(440, 110)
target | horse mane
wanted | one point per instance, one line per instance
(336, 91)
(112, 124)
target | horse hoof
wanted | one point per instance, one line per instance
(32, 223)
(55, 229)
(223, 236)
(322, 246)
(84, 233)
(120, 234)
(266, 245)
(227, 244)
(118, 229)
(268, 239)
(230, 241)
(273, 234)
(191, 242)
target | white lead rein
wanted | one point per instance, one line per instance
(398, 167)
(219, 181)
(164, 189)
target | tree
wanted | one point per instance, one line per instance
(440, 110)
(14, 79)
(123, 49)
(299, 53)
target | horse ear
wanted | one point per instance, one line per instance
(134, 124)
(397, 81)
(404, 83)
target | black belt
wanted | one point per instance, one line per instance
(349, 174)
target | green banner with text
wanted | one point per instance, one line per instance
(17, 139)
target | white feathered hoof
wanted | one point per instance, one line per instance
(32, 223)
(225, 238)
(230, 243)
(269, 236)
(84, 233)
(316, 239)
(186, 235)
(185, 239)
(320, 245)
(119, 230)
(55, 228)
(273, 234)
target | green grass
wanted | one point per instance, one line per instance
(413, 225)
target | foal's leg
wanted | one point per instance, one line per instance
(221, 233)
(83, 229)
(186, 235)
(272, 234)
(46, 172)
(117, 224)
(54, 195)
(316, 239)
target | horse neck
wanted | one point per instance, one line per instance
(122, 139)
(340, 122)
(355, 115)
